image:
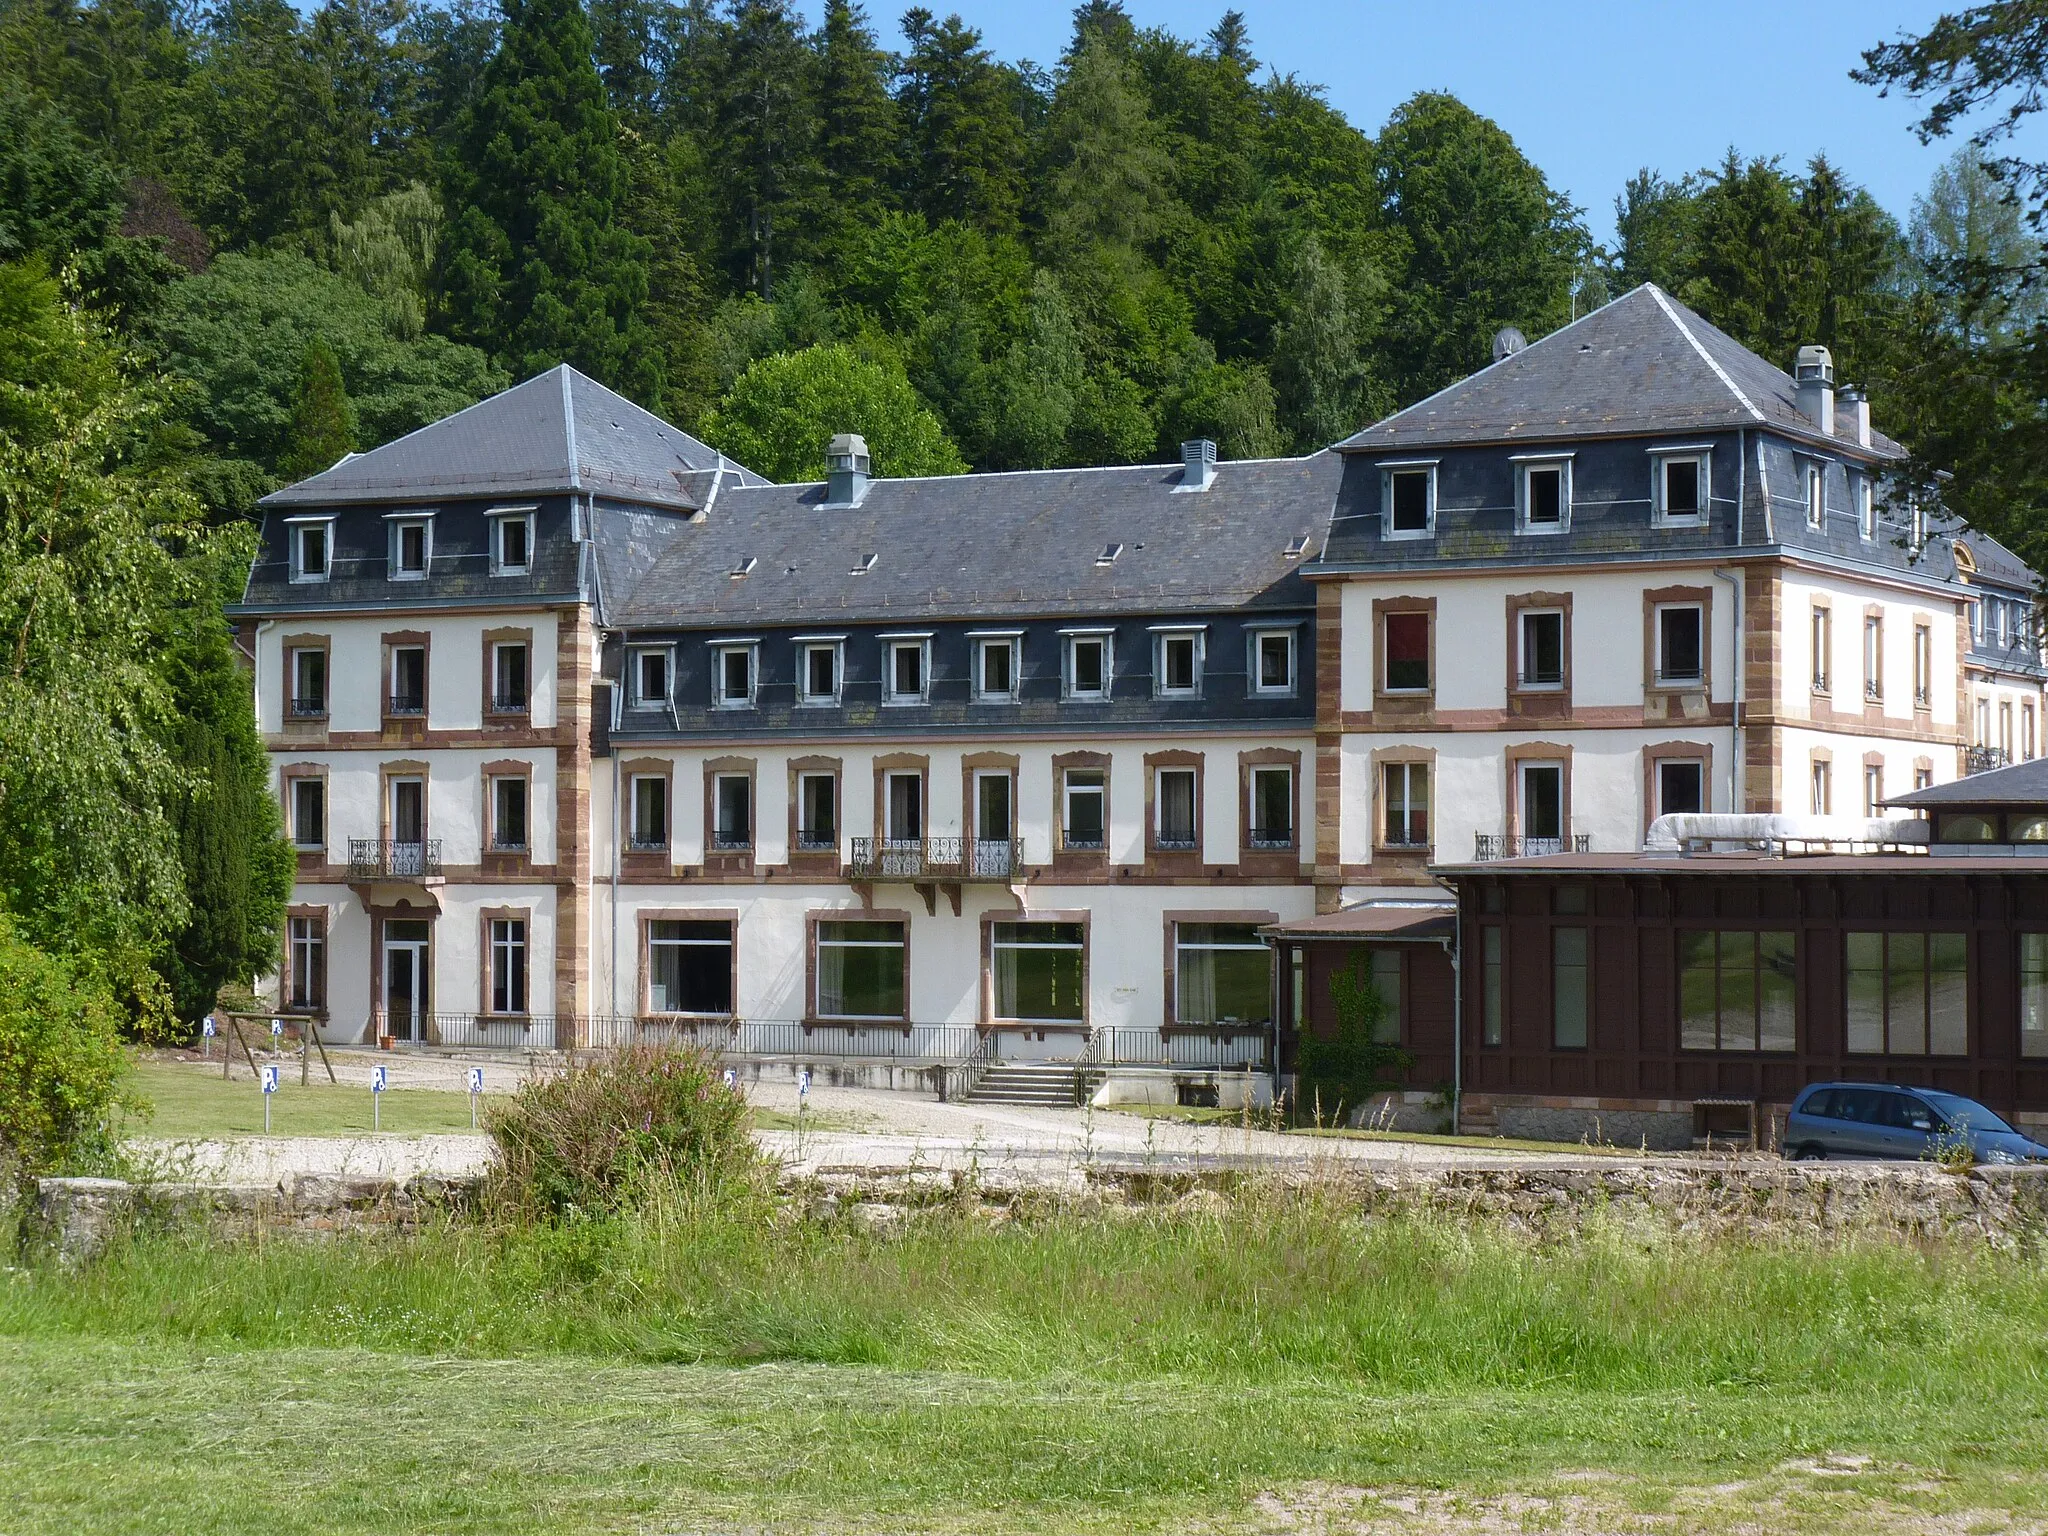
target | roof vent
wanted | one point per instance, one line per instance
(863, 565)
(1297, 546)
(1109, 554)
(1507, 341)
(846, 470)
(744, 568)
(1813, 385)
(1197, 464)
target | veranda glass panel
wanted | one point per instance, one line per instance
(1948, 994)
(1777, 993)
(1696, 991)
(1905, 991)
(860, 970)
(1738, 991)
(1223, 975)
(1568, 986)
(2034, 994)
(1038, 971)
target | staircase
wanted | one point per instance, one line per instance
(1040, 1084)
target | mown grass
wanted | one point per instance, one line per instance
(191, 1102)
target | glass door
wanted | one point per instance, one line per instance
(408, 827)
(406, 1000)
(993, 829)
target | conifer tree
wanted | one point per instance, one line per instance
(965, 142)
(763, 149)
(858, 132)
(1108, 190)
(323, 422)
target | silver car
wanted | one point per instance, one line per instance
(1857, 1120)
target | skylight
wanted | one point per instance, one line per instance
(1297, 546)
(1109, 554)
(744, 568)
(863, 565)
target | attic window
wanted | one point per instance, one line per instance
(744, 568)
(863, 565)
(1297, 546)
(1109, 554)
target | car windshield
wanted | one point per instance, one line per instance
(1967, 1114)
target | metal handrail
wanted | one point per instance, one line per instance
(371, 858)
(1508, 845)
(961, 1080)
(935, 858)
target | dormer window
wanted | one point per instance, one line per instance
(511, 540)
(1816, 498)
(1543, 495)
(412, 548)
(995, 667)
(733, 672)
(1866, 508)
(906, 668)
(1409, 490)
(818, 669)
(650, 677)
(1177, 664)
(310, 544)
(1088, 664)
(1272, 662)
(1678, 484)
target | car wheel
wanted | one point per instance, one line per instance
(1810, 1152)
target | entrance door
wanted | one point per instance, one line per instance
(406, 971)
(408, 827)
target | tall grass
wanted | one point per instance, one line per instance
(1272, 1286)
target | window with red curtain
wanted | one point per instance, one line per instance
(1407, 650)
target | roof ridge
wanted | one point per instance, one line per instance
(569, 427)
(1069, 469)
(1699, 347)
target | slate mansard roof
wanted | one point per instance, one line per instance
(557, 432)
(1643, 364)
(1005, 545)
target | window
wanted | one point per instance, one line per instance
(1680, 487)
(861, 968)
(1084, 824)
(733, 676)
(412, 541)
(689, 966)
(309, 549)
(650, 812)
(1542, 648)
(1816, 500)
(1983, 722)
(1736, 991)
(1681, 651)
(1492, 985)
(409, 819)
(1272, 807)
(1823, 649)
(1873, 658)
(511, 543)
(408, 680)
(1088, 666)
(1174, 827)
(1177, 665)
(1273, 661)
(1977, 621)
(2034, 994)
(1037, 971)
(1411, 502)
(995, 670)
(650, 677)
(818, 673)
(1407, 648)
(1681, 786)
(1923, 778)
(1923, 666)
(904, 794)
(1407, 804)
(1908, 994)
(1568, 987)
(1823, 800)
(309, 683)
(1386, 981)
(817, 813)
(994, 828)
(309, 814)
(1546, 497)
(509, 687)
(1873, 788)
(2026, 730)
(1542, 805)
(1866, 508)
(905, 678)
(1223, 974)
(732, 811)
(508, 814)
(308, 944)
(508, 965)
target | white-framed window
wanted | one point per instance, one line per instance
(1866, 508)
(819, 669)
(1272, 662)
(508, 814)
(1175, 820)
(308, 940)
(689, 966)
(861, 970)
(408, 680)
(511, 541)
(906, 668)
(735, 670)
(1037, 972)
(1823, 649)
(1681, 645)
(996, 668)
(309, 683)
(732, 811)
(1681, 785)
(1408, 491)
(1404, 798)
(1542, 649)
(1873, 658)
(1983, 722)
(1873, 788)
(1978, 620)
(1923, 666)
(1084, 820)
(1543, 495)
(310, 547)
(817, 812)
(649, 829)
(1222, 974)
(1822, 800)
(511, 687)
(651, 667)
(1816, 498)
(508, 965)
(1177, 663)
(411, 547)
(903, 806)
(1088, 664)
(309, 814)
(1680, 485)
(1270, 815)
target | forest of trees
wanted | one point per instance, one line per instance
(238, 240)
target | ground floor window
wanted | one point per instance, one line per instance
(508, 965)
(1569, 963)
(308, 940)
(1492, 981)
(1736, 991)
(861, 969)
(1038, 971)
(1908, 993)
(1386, 980)
(1223, 974)
(2034, 994)
(689, 966)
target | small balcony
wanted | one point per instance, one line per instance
(1272, 839)
(406, 705)
(372, 859)
(992, 860)
(507, 704)
(1984, 759)
(1509, 845)
(309, 709)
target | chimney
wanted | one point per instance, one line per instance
(1197, 464)
(846, 470)
(1813, 377)
(1857, 404)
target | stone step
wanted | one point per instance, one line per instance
(1043, 1084)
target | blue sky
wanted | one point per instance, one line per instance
(1590, 92)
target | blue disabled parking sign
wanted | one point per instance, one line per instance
(270, 1079)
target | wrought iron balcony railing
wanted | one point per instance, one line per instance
(1508, 845)
(406, 704)
(1272, 837)
(308, 709)
(1984, 759)
(371, 859)
(508, 704)
(934, 858)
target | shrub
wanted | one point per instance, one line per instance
(60, 1059)
(599, 1138)
(1338, 1073)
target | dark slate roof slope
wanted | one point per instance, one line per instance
(2022, 784)
(1995, 562)
(1641, 364)
(557, 432)
(994, 545)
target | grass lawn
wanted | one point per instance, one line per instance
(192, 1102)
